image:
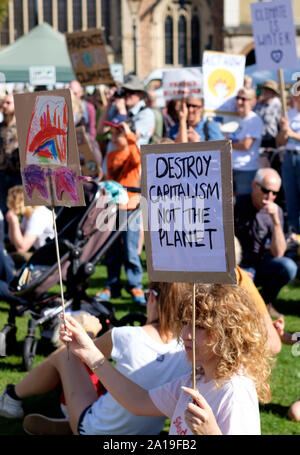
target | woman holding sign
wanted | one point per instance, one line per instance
(230, 354)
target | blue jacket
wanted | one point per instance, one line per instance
(214, 132)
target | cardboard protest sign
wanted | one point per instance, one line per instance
(223, 76)
(88, 57)
(188, 212)
(48, 150)
(274, 34)
(182, 83)
(89, 166)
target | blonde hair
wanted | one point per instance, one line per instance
(236, 330)
(15, 200)
(169, 295)
(249, 92)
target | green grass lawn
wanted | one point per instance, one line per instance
(285, 380)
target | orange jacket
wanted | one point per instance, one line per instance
(124, 167)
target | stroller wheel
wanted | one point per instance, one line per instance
(133, 319)
(29, 351)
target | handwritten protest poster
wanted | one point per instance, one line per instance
(88, 57)
(223, 76)
(89, 164)
(187, 209)
(48, 150)
(42, 75)
(274, 34)
(182, 83)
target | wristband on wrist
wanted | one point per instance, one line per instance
(97, 365)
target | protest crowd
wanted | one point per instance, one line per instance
(239, 330)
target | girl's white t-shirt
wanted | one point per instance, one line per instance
(147, 363)
(40, 224)
(250, 126)
(235, 404)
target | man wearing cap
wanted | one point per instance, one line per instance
(269, 109)
(129, 103)
(142, 116)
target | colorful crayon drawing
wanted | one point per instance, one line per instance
(65, 180)
(48, 131)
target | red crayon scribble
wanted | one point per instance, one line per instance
(45, 154)
(49, 132)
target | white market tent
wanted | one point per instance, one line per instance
(42, 46)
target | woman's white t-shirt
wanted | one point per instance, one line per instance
(40, 224)
(147, 363)
(235, 404)
(250, 126)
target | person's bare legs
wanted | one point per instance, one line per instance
(42, 379)
(78, 388)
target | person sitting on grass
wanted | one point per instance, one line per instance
(149, 355)
(232, 362)
(35, 227)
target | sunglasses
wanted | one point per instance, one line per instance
(242, 98)
(147, 292)
(266, 191)
(195, 106)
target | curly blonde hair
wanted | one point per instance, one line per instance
(236, 330)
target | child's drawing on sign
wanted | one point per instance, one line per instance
(48, 131)
(222, 83)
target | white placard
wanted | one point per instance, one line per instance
(42, 75)
(182, 83)
(223, 76)
(274, 35)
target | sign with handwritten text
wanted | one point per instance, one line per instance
(88, 57)
(188, 220)
(223, 76)
(274, 34)
(182, 83)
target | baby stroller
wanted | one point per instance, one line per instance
(84, 236)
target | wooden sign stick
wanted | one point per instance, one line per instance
(194, 338)
(58, 255)
(282, 91)
(59, 271)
